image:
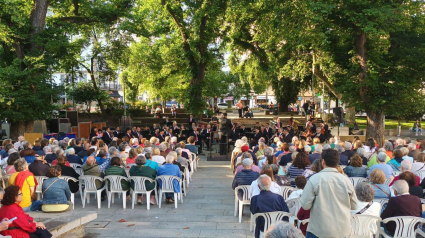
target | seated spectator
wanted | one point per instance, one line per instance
(288, 157)
(140, 169)
(89, 152)
(274, 188)
(245, 176)
(78, 146)
(27, 153)
(132, 154)
(83, 153)
(123, 154)
(60, 153)
(173, 153)
(261, 147)
(300, 182)
(362, 153)
(355, 169)
(419, 164)
(150, 163)
(343, 159)
(268, 159)
(266, 201)
(27, 183)
(283, 230)
(405, 166)
(13, 157)
(180, 159)
(3, 161)
(72, 158)
(240, 167)
(115, 169)
(406, 156)
(69, 171)
(23, 225)
(395, 163)
(191, 145)
(156, 157)
(170, 169)
(280, 179)
(315, 167)
(410, 178)
(163, 149)
(300, 164)
(377, 179)
(90, 167)
(403, 204)
(365, 205)
(102, 156)
(374, 158)
(382, 165)
(56, 191)
(39, 167)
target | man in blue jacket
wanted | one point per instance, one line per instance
(266, 201)
(245, 177)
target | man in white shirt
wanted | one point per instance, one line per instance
(330, 196)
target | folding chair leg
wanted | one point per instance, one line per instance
(109, 199)
(99, 198)
(236, 206)
(124, 199)
(72, 200)
(175, 200)
(88, 198)
(148, 200)
(160, 198)
(240, 211)
(250, 223)
(133, 199)
(83, 198)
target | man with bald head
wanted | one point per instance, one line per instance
(91, 168)
(266, 201)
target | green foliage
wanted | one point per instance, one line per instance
(85, 93)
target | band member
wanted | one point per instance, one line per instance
(207, 135)
(156, 133)
(269, 131)
(257, 137)
(169, 133)
(107, 137)
(175, 127)
(225, 129)
(154, 127)
(191, 120)
(117, 131)
(286, 136)
(319, 135)
(234, 135)
(167, 122)
(128, 133)
(161, 136)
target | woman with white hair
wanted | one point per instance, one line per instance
(238, 145)
(365, 205)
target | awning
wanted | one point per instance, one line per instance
(261, 97)
(113, 94)
(228, 98)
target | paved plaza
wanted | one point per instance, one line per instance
(207, 211)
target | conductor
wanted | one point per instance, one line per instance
(225, 129)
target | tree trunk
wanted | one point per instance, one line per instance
(375, 125)
(350, 116)
(283, 104)
(19, 128)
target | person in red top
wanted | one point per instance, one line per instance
(303, 215)
(24, 225)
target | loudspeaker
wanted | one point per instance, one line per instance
(338, 115)
(73, 117)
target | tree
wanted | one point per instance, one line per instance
(85, 93)
(183, 41)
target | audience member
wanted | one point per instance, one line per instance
(240, 166)
(72, 158)
(283, 230)
(170, 169)
(316, 154)
(156, 157)
(245, 177)
(395, 163)
(69, 171)
(39, 167)
(56, 192)
(115, 169)
(280, 179)
(405, 166)
(355, 169)
(382, 165)
(377, 179)
(374, 158)
(140, 169)
(365, 205)
(274, 188)
(419, 164)
(300, 164)
(300, 182)
(410, 178)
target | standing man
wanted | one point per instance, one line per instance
(190, 120)
(225, 129)
(117, 131)
(330, 196)
(240, 106)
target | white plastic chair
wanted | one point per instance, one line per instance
(421, 174)
(140, 188)
(356, 180)
(286, 191)
(89, 182)
(39, 188)
(128, 167)
(363, 226)
(114, 184)
(77, 167)
(167, 186)
(405, 226)
(419, 233)
(186, 176)
(191, 166)
(195, 163)
(67, 178)
(270, 218)
(381, 201)
(246, 200)
(388, 181)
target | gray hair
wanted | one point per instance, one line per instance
(268, 151)
(401, 186)
(47, 149)
(55, 148)
(307, 149)
(360, 151)
(20, 165)
(112, 150)
(179, 151)
(407, 140)
(412, 146)
(59, 152)
(169, 159)
(247, 162)
(292, 149)
(406, 165)
(365, 192)
(404, 150)
(162, 147)
(399, 141)
(70, 151)
(339, 148)
(140, 160)
(326, 147)
(318, 148)
(264, 182)
(283, 229)
(55, 142)
(122, 147)
(382, 150)
(348, 145)
(247, 155)
(173, 139)
(388, 146)
(25, 144)
(382, 156)
(275, 168)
